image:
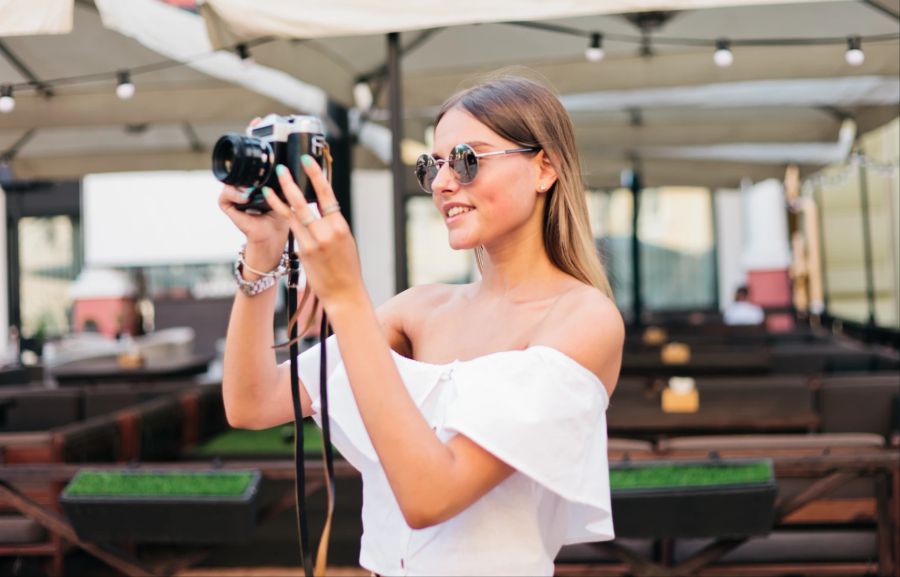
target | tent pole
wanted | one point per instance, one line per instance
(401, 276)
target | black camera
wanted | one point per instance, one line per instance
(249, 161)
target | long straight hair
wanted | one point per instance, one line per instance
(528, 113)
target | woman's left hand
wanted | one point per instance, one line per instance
(325, 244)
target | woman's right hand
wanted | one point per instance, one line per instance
(266, 233)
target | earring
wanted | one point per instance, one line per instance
(542, 187)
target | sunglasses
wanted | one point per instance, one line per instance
(463, 161)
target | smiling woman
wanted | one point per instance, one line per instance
(474, 412)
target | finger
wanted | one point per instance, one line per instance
(255, 121)
(292, 192)
(324, 192)
(230, 196)
(293, 217)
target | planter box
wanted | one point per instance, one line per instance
(171, 506)
(655, 499)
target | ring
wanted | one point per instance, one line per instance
(333, 207)
(308, 220)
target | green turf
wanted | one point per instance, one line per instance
(658, 476)
(157, 484)
(277, 441)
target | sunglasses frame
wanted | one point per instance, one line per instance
(459, 153)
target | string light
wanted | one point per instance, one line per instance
(7, 102)
(594, 52)
(243, 52)
(723, 56)
(124, 88)
(854, 54)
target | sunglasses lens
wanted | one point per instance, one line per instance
(464, 163)
(426, 171)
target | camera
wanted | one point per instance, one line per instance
(249, 161)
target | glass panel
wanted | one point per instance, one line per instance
(431, 260)
(845, 273)
(611, 217)
(677, 258)
(882, 150)
(48, 257)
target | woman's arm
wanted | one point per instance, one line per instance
(431, 481)
(256, 391)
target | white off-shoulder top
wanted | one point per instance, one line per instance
(536, 409)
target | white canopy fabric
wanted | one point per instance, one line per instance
(328, 18)
(690, 122)
(18, 18)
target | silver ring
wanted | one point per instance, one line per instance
(333, 207)
(308, 220)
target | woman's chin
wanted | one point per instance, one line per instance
(459, 242)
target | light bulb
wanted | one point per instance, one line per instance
(723, 56)
(594, 52)
(125, 88)
(854, 54)
(7, 102)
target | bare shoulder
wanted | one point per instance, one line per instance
(586, 325)
(401, 312)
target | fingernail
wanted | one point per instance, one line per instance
(307, 160)
(266, 190)
(280, 169)
(246, 194)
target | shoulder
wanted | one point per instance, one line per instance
(586, 325)
(400, 314)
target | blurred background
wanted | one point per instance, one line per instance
(742, 161)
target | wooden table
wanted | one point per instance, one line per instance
(721, 411)
(107, 370)
(750, 360)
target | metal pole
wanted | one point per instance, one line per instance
(637, 301)
(401, 276)
(823, 261)
(867, 239)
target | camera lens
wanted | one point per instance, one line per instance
(241, 160)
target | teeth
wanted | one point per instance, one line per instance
(457, 210)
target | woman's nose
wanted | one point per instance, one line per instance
(444, 180)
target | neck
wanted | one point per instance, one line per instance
(517, 268)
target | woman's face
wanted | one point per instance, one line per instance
(503, 196)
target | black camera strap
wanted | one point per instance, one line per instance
(321, 563)
(294, 350)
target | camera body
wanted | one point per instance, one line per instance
(249, 161)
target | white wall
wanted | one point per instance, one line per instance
(373, 223)
(155, 218)
(4, 276)
(729, 243)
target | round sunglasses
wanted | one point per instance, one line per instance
(463, 161)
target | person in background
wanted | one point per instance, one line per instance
(742, 311)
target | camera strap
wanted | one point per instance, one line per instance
(321, 563)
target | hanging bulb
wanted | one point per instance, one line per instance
(854, 54)
(7, 102)
(362, 95)
(594, 52)
(243, 52)
(723, 56)
(125, 88)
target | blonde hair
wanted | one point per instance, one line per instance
(528, 113)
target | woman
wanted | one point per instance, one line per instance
(475, 413)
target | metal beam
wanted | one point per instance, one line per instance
(401, 273)
(25, 71)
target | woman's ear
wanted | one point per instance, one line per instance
(547, 175)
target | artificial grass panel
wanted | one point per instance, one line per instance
(658, 476)
(274, 441)
(156, 484)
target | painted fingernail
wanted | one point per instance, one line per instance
(267, 191)
(280, 169)
(246, 194)
(307, 160)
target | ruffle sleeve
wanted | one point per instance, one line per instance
(348, 434)
(544, 414)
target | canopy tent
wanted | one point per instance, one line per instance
(686, 120)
